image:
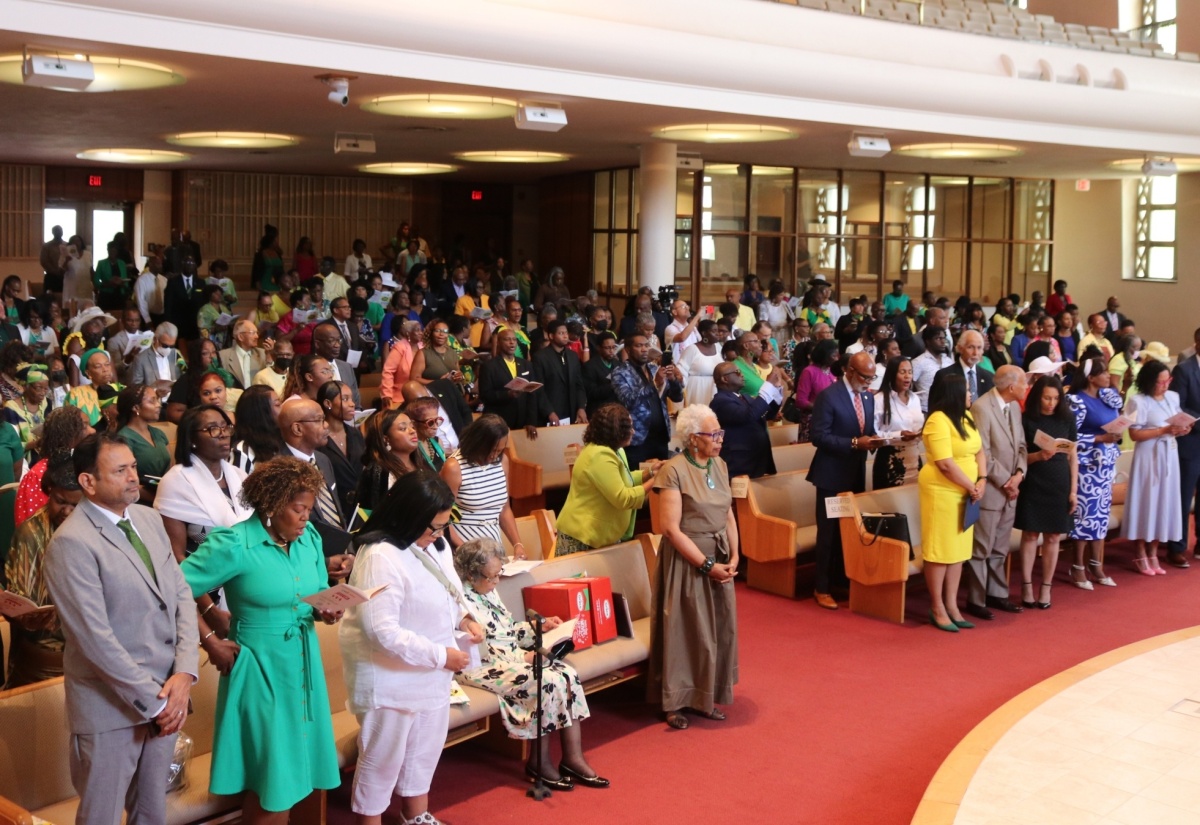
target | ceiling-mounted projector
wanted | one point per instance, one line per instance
(539, 118)
(868, 146)
(57, 72)
(348, 142)
(1159, 166)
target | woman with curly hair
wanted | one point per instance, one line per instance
(64, 428)
(256, 428)
(309, 373)
(605, 492)
(391, 453)
(273, 736)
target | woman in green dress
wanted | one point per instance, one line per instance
(30, 409)
(273, 736)
(137, 406)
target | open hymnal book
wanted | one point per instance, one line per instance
(225, 319)
(1118, 425)
(514, 566)
(304, 316)
(1181, 419)
(12, 605)
(139, 340)
(481, 314)
(564, 631)
(1048, 442)
(341, 596)
(522, 385)
(362, 415)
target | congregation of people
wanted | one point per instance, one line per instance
(281, 483)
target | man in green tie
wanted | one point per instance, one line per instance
(131, 646)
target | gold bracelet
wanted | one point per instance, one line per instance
(211, 605)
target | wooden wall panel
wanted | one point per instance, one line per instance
(94, 183)
(565, 228)
(22, 200)
(227, 211)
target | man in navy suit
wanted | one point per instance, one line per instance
(843, 430)
(1185, 380)
(970, 353)
(747, 447)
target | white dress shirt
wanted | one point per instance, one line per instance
(925, 366)
(445, 433)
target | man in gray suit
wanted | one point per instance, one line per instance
(131, 646)
(159, 363)
(327, 343)
(998, 419)
(245, 358)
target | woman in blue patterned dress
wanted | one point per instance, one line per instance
(507, 671)
(1094, 404)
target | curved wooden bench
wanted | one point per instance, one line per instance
(777, 524)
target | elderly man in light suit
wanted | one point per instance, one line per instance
(131, 646)
(245, 358)
(998, 418)
(159, 363)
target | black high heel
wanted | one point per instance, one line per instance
(1025, 603)
(1045, 605)
(590, 781)
(563, 784)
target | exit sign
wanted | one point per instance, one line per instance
(95, 180)
(476, 194)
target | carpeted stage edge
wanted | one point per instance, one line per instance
(837, 718)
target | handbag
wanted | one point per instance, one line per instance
(888, 525)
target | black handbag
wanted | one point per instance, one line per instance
(888, 525)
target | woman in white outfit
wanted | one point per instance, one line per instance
(696, 365)
(399, 650)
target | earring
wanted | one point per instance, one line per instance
(268, 521)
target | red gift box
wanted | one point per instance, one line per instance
(568, 599)
(604, 618)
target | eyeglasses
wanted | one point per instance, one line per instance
(862, 376)
(491, 579)
(437, 529)
(715, 435)
(216, 430)
(310, 420)
(433, 422)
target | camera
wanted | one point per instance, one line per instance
(668, 295)
(340, 90)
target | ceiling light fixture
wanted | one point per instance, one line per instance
(725, 133)
(757, 171)
(112, 74)
(233, 140)
(512, 156)
(460, 107)
(408, 168)
(1135, 164)
(959, 151)
(133, 155)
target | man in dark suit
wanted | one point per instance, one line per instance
(182, 298)
(1185, 380)
(970, 353)
(1115, 319)
(561, 374)
(348, 332)
(516, 407)
(451, 290)
(131, 643)
(597, 372)
(325, 342)
(747, 447)
(451, 406)
(843, 430)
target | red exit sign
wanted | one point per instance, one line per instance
(476, 194)
(95, 180)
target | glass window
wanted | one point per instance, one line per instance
(721, 266)
(989, 272)
(948, 207)
(860, 202)
(772, 197)
(601, 217)
(600, 260)
(66, 218)
(1156, 228)
(946, 275)
(990, 208)
(725, 197)
(685, 196)
(620, 264)
(621, 199)
(766, 258)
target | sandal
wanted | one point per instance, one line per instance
(715, 714)
(1082, 582)
(1046, 604)
(677, 720)
(1098, 572)
(1142, 565)
(1031, 603)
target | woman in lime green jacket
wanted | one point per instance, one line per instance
(605, 493)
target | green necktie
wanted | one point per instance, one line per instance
(136, 541)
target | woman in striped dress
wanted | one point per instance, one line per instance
(478, 476)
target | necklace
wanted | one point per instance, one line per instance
(707, 468)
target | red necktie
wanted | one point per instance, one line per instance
(858, 411)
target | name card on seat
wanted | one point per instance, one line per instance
(739, 486)
(838, 507)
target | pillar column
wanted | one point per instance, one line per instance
(656, 218)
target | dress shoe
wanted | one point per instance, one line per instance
(979, 612)
(589, 781)
(826, 601)
(1004, 605)
(949, 628)
(1179, 560)
(964, 624)
(563, 784)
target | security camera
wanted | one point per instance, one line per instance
(340, 93)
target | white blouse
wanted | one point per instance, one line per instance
(904, 416)
(394, 646)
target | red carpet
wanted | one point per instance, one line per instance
(837, 719)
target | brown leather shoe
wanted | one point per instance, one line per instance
(826, 601)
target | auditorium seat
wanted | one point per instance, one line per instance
(777, 523)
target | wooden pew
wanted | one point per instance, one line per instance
(879, 567)
(783, 434)
(776, 525)
(535, 530)
(538, 465)
(793, 457)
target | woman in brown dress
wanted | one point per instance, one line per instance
(693, 647)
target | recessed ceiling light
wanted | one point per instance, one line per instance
(725, 133)
(512, 156)
(232, 140)
(133, 155)
(407, 168)
(736, 169)
(961, 180)
(1135, 164)
(113, 74)
(461, 107)
(958, 151)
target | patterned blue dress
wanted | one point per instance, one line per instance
(1097, 462)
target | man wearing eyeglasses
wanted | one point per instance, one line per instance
(843, 431)
(747, 447)
(327, 343)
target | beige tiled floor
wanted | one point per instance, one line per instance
(1108, 749)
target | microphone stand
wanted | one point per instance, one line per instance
(539, 791)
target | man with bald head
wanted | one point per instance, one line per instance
(997, 416)
(843, 431)
(970, 353)
(747, 448)
(245, 358)
(452, 408)
(518, 408)
(304, 429)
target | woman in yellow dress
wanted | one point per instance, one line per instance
(955, 473)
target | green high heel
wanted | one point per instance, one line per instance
(949, 628)
(963, 623)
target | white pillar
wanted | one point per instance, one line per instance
(656, 218)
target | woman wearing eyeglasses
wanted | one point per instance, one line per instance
(430, 454)
(606, 493)
(391, 450)
(693, 634)
(478, 476)
(399, 652)
(200, 493)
